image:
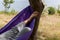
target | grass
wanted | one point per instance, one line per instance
(8, 13)
(5, 18)
(49, 27)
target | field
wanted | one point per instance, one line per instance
(49, 27)
(5, 18)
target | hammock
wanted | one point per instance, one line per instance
(23, 15)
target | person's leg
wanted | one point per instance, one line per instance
(25, 30)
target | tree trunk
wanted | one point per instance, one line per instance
(37, 5)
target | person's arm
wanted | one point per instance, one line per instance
(34, 14)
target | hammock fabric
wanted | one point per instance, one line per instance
(23, 15)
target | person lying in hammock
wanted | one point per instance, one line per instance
(18, 30)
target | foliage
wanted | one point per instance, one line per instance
(51, 10)
(7, 4)
(58, 11)
(12, 12)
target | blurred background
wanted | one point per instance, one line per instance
(49, 26)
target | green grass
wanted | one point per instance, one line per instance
(8, 13)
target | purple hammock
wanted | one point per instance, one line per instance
(23, 15)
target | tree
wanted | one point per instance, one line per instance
(58, 7)
(37, 5)
(58, 10)
(51, 10)
(7, 4)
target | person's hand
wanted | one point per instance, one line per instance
(35, 14)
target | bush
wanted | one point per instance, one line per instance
(58, 11)
(12, 12)
(51, 10)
